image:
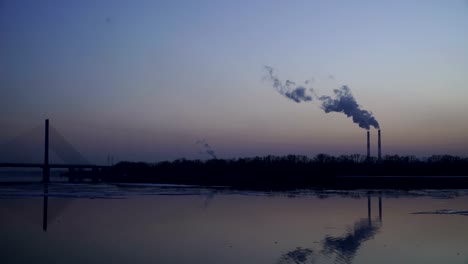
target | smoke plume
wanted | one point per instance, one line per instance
(206, 148)
(344, 102)
(289, 88)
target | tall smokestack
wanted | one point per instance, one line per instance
(379, 146)
(368, 144)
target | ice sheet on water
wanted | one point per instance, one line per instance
(445, 212)
(123, 190)
(101, 191)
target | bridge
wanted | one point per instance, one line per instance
(76, 170)
(56, 166)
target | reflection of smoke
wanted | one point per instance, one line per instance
(297, 256)
(344, 102)
(209, 197)
(346, 246)
(289, 88)
(206, 148)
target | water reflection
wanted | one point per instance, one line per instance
(52, 213)
(209, 197)
(298, 256)
(444, 212)
(44, 208)
(159, 225)
(345, 247)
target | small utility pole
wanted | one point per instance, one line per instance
(46, 169)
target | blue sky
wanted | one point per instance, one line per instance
(144, 80)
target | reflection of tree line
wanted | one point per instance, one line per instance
(344, 247)
(291, 171)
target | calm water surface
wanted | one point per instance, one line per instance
(87, 223)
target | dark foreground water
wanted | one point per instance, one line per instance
(167, 224)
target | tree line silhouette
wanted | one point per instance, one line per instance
(296, 171)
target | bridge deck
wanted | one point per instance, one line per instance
(56, 166)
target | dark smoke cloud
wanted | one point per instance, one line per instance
(206, 148)
(344, 102)
(289, 88)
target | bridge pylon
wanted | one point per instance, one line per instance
(46, 168)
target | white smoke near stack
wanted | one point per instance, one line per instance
(297, 93)
(342, 102)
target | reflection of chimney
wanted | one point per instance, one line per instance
(369, 209)
(379, 147)
(380, 207)
(368, 144)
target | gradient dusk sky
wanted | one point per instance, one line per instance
(144, 80)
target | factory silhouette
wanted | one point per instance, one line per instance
(274, 172)
(379, 145)
(270, 172)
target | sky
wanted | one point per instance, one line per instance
(146, 80)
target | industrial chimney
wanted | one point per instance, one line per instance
(379, 146)
(368, 144)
